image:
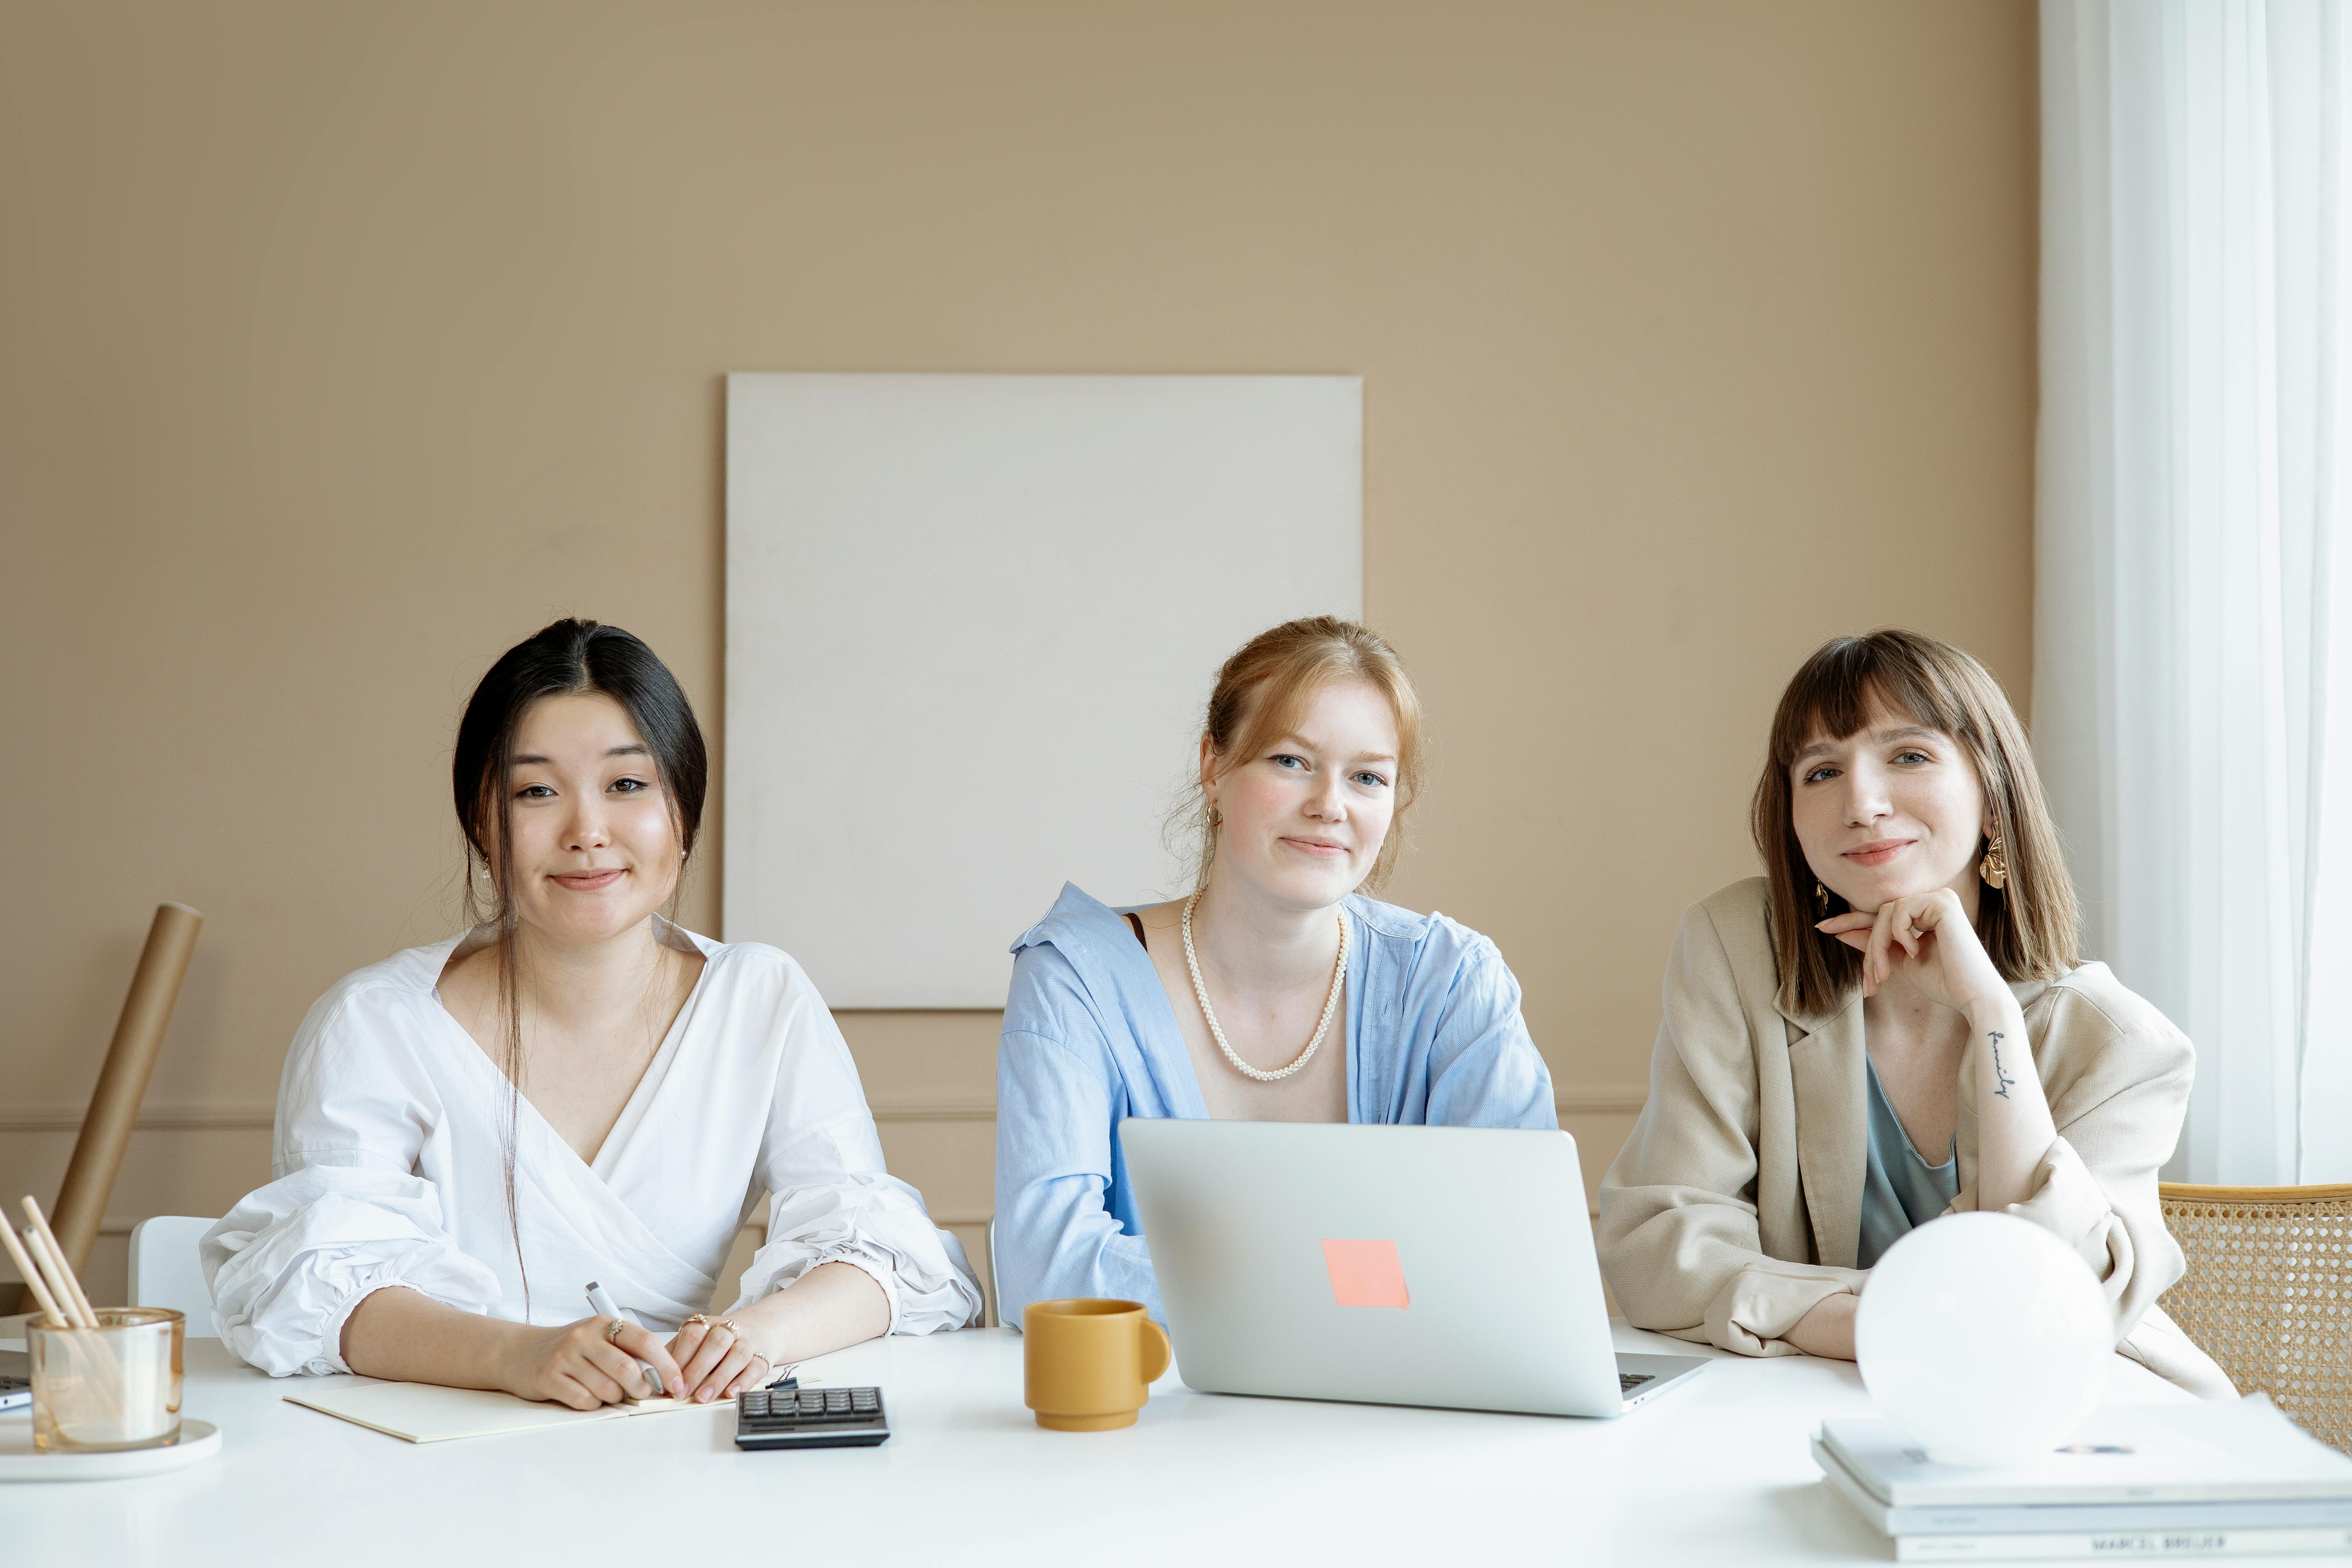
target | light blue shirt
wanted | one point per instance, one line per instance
(1900, 1191)
(1434, 1037)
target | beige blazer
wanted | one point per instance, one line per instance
(1735, 1205)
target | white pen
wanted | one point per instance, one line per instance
(602, 1305)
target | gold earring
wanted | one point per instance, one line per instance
(1820, 899)
(1994, 869)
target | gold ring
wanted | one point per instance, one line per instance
(698, 1318)
(728, 1324)
(614, 1333)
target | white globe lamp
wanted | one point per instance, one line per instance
(1984, 1339)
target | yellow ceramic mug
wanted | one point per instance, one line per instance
(1091, 1363)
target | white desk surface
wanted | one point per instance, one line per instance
(1714, 1472)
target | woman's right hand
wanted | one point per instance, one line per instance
(584, 1365)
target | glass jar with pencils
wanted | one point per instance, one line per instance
(104, 1378)
(116, 1385)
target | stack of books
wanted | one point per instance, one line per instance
(2167, 1481)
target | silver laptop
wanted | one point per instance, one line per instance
(1440, 1265)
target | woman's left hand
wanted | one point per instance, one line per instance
(1925, 938)
(718, 1359)
(832, 1305)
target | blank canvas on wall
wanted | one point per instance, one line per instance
(971, 624)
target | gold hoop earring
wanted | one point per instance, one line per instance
(1994, 869)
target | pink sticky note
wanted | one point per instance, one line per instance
(1366, 1274)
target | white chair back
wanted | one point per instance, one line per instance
(165, 1272)
(996, 1309)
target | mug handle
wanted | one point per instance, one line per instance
(1156, 1352)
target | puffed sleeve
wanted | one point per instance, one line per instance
(833, 1199)
(346, 1214)
(1678, 1235)
(1056, 1107)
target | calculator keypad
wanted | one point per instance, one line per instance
(809, 1418)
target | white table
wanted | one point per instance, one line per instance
(1715, 1472)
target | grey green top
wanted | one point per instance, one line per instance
(1900, 1190)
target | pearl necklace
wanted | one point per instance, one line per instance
(1201, 994)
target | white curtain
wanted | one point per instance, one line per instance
(2192, 711)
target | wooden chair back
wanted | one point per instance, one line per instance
(2269, 1293)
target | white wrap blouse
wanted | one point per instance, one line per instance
(389, 1169)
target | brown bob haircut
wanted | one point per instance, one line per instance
(2032, 929)
(1260, 693)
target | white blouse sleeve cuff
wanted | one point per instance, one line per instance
(337, 1315)
(876, 1224)
(876, 1268)
(291, 1262)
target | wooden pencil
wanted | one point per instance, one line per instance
(72, 1284)
(33, 1281)
(53, 1270)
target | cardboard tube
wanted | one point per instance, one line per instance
(122, 1081)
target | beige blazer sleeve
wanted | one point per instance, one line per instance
(2117, 1073)
(1702, 1232)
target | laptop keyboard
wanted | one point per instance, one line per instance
(1627, 1381)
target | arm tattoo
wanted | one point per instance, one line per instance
(2001, 1080)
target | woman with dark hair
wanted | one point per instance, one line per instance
(1893, 1023)
(574, 1090)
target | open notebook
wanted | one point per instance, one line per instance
(427, 1413)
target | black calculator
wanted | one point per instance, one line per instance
(810, 1418)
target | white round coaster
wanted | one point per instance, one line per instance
(199, 1441)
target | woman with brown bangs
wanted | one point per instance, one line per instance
(1893, 1023)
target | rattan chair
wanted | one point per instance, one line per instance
(2269, 1293)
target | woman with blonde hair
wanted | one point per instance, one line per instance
(1894, 1022)
(1275, 992)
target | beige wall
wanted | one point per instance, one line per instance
(342, 345)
